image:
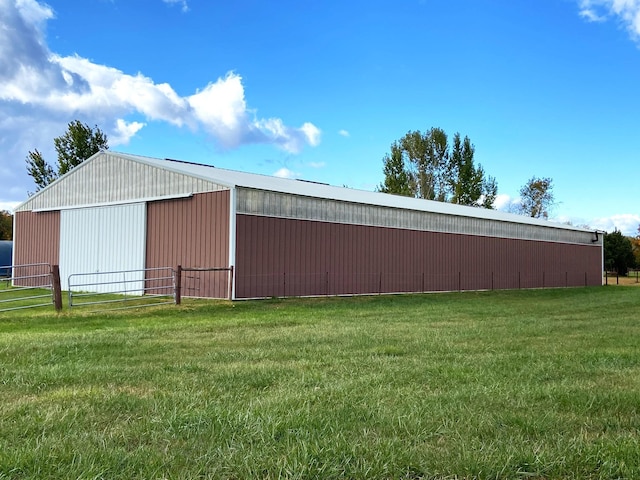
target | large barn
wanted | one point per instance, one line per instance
(285, 237)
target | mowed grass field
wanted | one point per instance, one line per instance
(511, 384)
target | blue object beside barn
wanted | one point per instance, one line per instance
(6, 251)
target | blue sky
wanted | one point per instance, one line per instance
(320, 89)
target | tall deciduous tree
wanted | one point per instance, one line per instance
(536, 198)
(618, 252)
(426, 166)
(396, 179)
(6, 225)
(77, 144)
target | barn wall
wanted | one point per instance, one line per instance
(36, 240)
(192, 232)
(285, 257)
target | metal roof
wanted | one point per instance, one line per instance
(232, 179)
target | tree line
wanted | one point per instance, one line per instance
(429, 166)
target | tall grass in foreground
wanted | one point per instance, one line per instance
(518, 384)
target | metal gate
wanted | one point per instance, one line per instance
(123, 288)
(28, 285)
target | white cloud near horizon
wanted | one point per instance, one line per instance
(286, 173)
(43, 89)
(627, 12)
(627, 223)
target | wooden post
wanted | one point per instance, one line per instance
(491, 280)
(459, 281)
(57, 289)
(178, 284)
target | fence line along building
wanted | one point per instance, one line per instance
(287, 237)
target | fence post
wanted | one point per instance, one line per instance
(459, 281)
(178, 284)
(57, 289)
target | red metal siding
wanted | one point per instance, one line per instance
(192, 232)
(37, 240)
(284, 257)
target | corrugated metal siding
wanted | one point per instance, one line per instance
(283, 257)
(103, 239)
(192, 232)
(37, 240)
(110, 178)
(275, 204)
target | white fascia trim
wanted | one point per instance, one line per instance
(232, 238)
(120, 202)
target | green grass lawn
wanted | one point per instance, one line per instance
(511, 384)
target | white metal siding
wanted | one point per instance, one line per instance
(109, 178)
(103, 239)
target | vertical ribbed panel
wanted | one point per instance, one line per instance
(37, 237)
(37, 240)
(282, 257)
(109, 177)
(194, 233)
(103, 239)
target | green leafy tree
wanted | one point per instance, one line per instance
(635, 243)
(536, 198)
(396, 179)
(6, 225)
(424, 165)
(618, 252)
(77, 144)
(466, 180)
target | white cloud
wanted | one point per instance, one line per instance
(41, 92)
(286, 173)
(627, 223)
(317, 164)
(124, 132)
(344, 133)
(185, 6)
(8, 206)
(504, 202)
(626, 11)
